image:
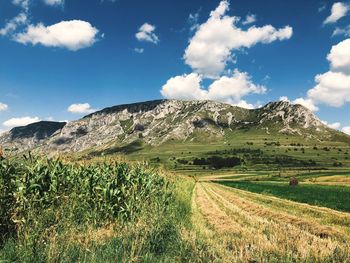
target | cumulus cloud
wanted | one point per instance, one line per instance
(3, 106)
(146, 33)
(229, 89)
(333, 87)
(338, 11)
(346, 130)
(249, 19)
(186, 87)
(21, 121)
(284, 98)
(12, 25)
(211, 46)
(73, 35)
(307, 103)
(339, 57)
(54, 2)
(335, 125)
(342, 31)
(81, 108)
(232, 88)
(246, 105)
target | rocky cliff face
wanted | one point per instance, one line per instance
(30, 136)
(290, 118)
(157, 122)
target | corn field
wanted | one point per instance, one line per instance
(40, 198)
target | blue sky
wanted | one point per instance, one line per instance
(62, 59)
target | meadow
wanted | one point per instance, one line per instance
(174, 203)
(335, 196)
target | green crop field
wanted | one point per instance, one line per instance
(335, 197)
(257, 150)
(52, 211)
(227, 201)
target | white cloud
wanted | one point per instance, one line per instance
(211, 46)
(146, 33)
(322, 7)
(81, 108)
(229, 89)
(73, 35)
(246, 105)
(22, 121)
(54, 2)
(249, 19)
(232, 88)
(335, 125)
(19, 20)
(21, 3)
(193, 21)
(139, 50)
(12, 25)
(307, 103)
(186, 87)
(339, 57)
(338, 11)
(3, 106)
(333, 87)
(342, 31)
(284, 98)
(346, 130)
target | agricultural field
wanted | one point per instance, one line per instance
(180, 202)
(261, 153)
(54, 211)
(242, 226)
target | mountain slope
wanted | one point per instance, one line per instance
(30, 136)
(156, 122)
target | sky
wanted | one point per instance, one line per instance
(63, 59)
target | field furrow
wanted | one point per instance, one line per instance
(259, 233)
(309, 213)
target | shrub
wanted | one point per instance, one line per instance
(218, 162)
(293, 181)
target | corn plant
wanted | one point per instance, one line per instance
(37, 193)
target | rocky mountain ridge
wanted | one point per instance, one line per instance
(156, 122)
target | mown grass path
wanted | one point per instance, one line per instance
(244, 226)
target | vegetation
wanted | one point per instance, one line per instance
(334, 197)
(256, 149)
(56, 212)
(242, 226)
(95, 209)
(218, 162)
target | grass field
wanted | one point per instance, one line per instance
(260, 151)
(174, 210)
(335, 197)
(97, 212)
(246, 227)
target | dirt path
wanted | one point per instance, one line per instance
(249, 227)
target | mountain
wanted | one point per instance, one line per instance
(156, 122)
(30, 136)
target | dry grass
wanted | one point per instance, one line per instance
(247, 231)
(321, 215)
